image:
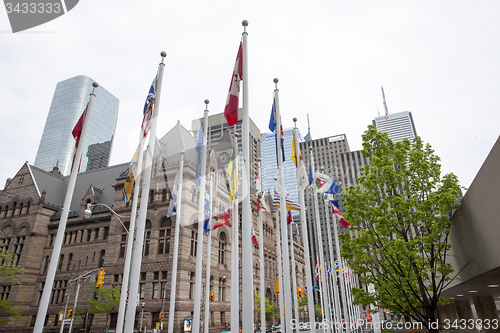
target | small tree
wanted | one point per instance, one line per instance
(9, 273)
(271, 309)
(107, 300)
(401, 216)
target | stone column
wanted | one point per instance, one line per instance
(487, 311)
(448, 312)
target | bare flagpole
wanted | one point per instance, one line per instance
(56, 251)
(178, 210)
(209, 257)
(261, 256)
(135, 269)
(280, 266)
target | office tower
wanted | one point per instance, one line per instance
(270, 165)
(57, 144)
(216, 129)
(398, 126)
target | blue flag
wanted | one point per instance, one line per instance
(310, 175)
(272, 127)
(206, 223)
(199, 146)
(172, 207)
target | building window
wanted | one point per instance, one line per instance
(192, 278)
(89, 233)
(101, 258)
(96, 235)
(61, 258)
(106, 233)
(222, 248)
(194, 240)
(142, 290)
(155, 290)
(122, 250)
(4, 292)
(164, 237)
(70, 261)
(222, 289)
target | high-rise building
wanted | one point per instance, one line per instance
(57, 144)
(217, 127)
(398, 126)
(269, 164)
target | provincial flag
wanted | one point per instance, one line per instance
(262, 202)
(172, 206)
(289, 218)
(272, 127)
(206, 222)
(325, 183)
(291, 205)
(329, 273)
(254, 237)
(199, 148)
(148, 109)
(232, 170)
(301, 167)
(317, 271)
(224, 219)
(129, 182)
(233, 97)
(310, 176)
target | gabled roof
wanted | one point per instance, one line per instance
(176, 140)
(100, 179)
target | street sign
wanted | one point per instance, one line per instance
(67, 321)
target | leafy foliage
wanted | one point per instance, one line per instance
(107, 300)
(9, 273)
(401, 216)
(271, 309)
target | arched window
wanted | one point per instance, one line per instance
(28, 209)
(60, 263)
(14, 209)
(6, 210)
(46, 264)
(147, 238)
(222, 248)
(21, 208)
(194, 239)
(70, 261)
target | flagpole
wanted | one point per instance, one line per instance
(51, 273)
(235, 267)
(135, 268)
(332, 259)
(124, 293)
(280, 266)
(294, 279)
(305, 237)
(285, 250)
(320, 238)
(246, 223)
(201, 216)
(342, 286)
(209, 257)
(175, 257)
(320, 290)
(261, 256)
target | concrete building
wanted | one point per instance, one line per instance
(57, 145)
(398, 126)
(30, 209)
(475, 293)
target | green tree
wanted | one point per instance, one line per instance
(401, 216)
(271, 309)
(9, 274)
(107, 299)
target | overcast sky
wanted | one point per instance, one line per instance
(437, 59)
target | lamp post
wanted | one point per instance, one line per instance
(142, 313)
(88, 212)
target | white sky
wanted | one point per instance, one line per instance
(437, 59)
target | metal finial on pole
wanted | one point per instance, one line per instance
(294, 122)
(245, 25)
(276, 80)
(95, 84)
(206, 104)
(163, 54)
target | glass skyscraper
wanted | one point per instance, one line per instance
(269, 164)
(57, 143)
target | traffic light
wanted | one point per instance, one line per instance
(276, 286)
(161, 315)
(60, 316)
(100, 278)
(299, 292)
(212, 296)
(70, 314)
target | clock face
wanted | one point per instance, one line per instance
(223, 158)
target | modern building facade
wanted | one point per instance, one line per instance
(398, 126)
(30, 209)
(269, 164)
(57, 144)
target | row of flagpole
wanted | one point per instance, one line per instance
(132, 267)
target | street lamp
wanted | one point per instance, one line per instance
(88, 212)
(142, 313)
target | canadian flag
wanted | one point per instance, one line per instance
(343, 221)
(254, 237)
(233, 97)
